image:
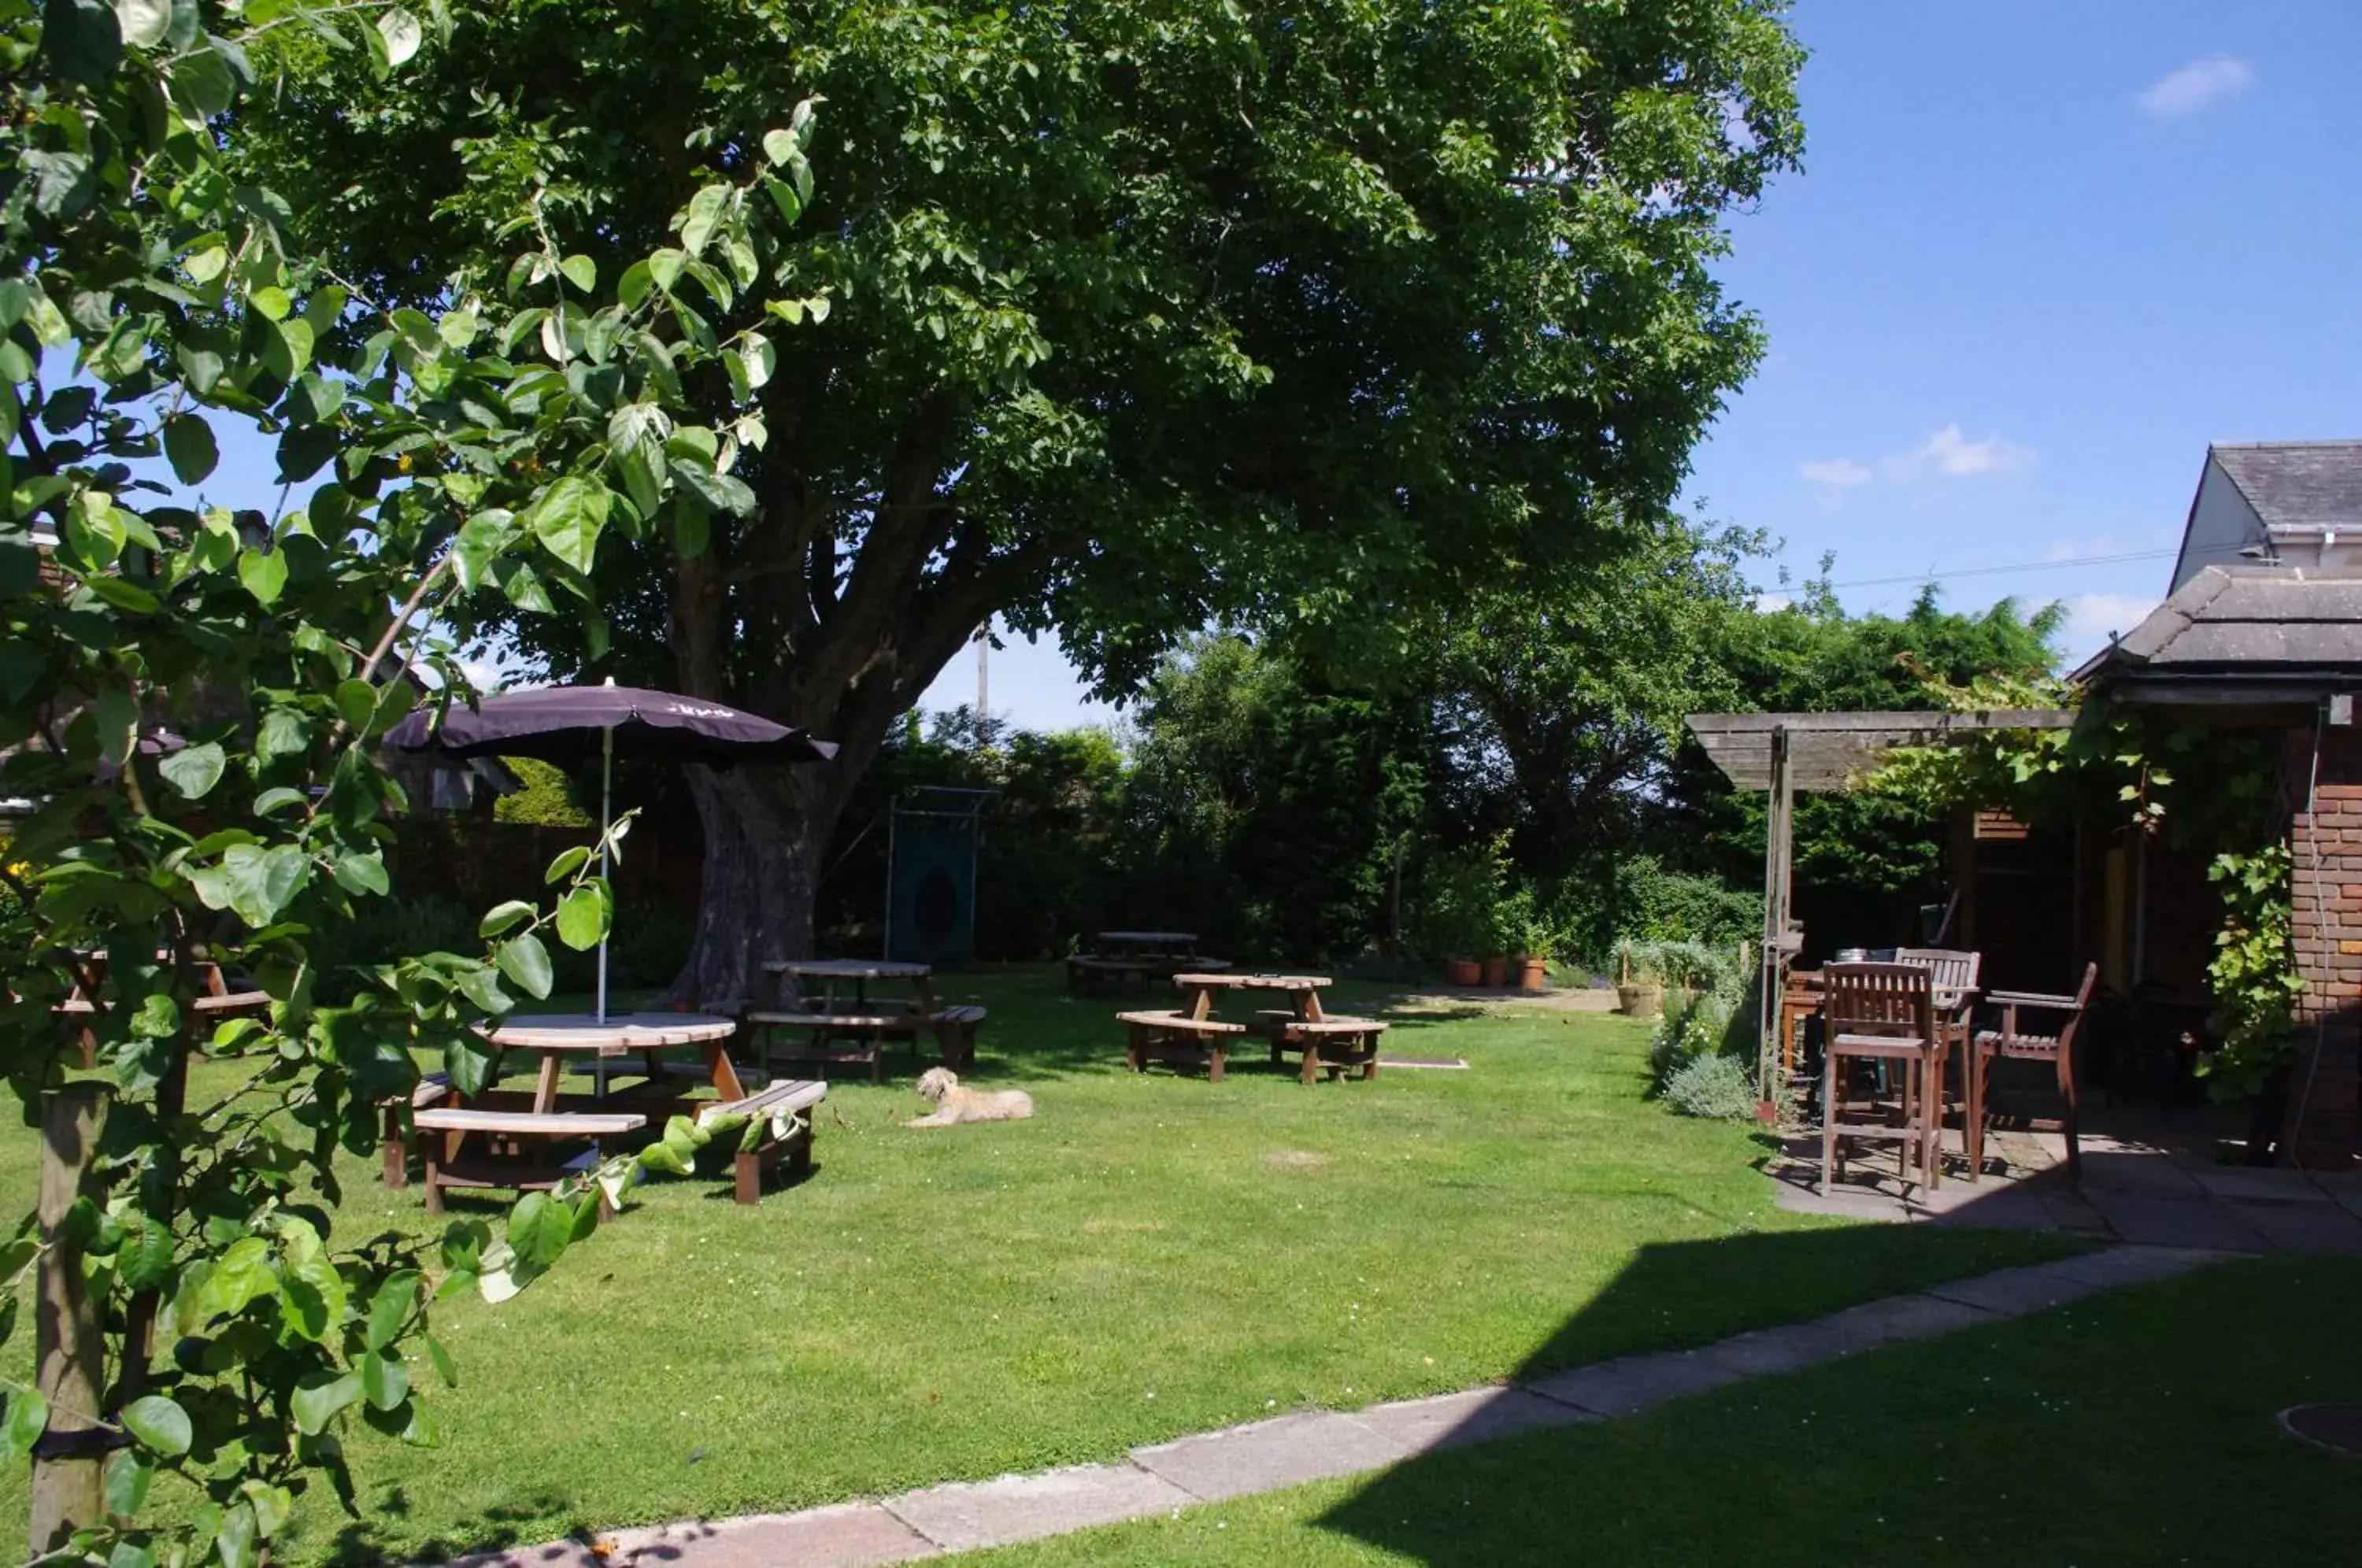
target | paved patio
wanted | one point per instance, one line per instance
(2148, 1178)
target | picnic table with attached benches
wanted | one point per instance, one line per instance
(215, 1002)
(1124, 957)
(826, 1001)
(522, 1135)
(1190, 1033)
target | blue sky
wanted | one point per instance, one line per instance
(2040, 255)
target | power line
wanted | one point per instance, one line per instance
(2116, 560)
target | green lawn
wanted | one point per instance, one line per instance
(1149, 1256)
(2138, 1426)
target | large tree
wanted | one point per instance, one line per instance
(1142, 315)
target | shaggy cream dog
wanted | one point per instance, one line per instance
(941, 1086)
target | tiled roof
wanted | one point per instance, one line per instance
(2248, 618)
(2301, 485)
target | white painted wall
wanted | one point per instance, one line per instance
(2221, 524)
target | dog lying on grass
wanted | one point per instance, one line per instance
(940, 1086)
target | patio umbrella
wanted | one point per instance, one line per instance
(571, 723)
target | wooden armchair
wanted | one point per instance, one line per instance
(2029, 1028)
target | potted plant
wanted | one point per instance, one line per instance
(1459, 914)
(1535, 945)
(1639, 979)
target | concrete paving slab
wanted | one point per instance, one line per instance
(2129, 1265)
(2142, 1172)
(1783, 1349)
(1310, 1446)
(2013, 1292)
(1995, 1204)
(2174, 1222)
(2304, 1227)
(1839, 1203)
(1892, 1317)
(2343, 1187)
(965, 1515)
(846, 1535)
(1632, 1384)
(2261, 1186)
(1450, 1420)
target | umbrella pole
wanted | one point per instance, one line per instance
(606, 821)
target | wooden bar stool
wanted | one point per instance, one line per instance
(1882, 1012)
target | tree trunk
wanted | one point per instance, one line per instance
(768, 832)
(68, 1354)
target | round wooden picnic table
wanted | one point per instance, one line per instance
(1303, 990)
(557, 1035)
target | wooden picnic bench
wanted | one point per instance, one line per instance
(1329, 1044)
(1176, 1037)
(1143, 958)
(521, 1147)
(785, 1105)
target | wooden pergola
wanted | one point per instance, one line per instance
(1782, 753)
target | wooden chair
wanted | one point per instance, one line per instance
(2016, 1039)
(1953, 972)
(1883, 1013)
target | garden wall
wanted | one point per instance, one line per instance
(2326, 1098)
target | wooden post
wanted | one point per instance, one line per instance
(69, 1355)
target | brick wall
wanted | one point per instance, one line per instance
(2324, 1103)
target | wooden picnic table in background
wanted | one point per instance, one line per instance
(557, 1037)
(1303, 991)
(1151, 943)
(827, 1014)
(1190, 1033)
(218, 1001)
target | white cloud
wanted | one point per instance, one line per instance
(1837, 473)
(2194, 86)
(1948, 454)
(2090, 617)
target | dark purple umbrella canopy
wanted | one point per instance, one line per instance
(565, 723)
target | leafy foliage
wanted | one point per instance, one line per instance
(487, 446)
(547, 799)
(2253, 975)
(1144, 319)
(1715, 1086)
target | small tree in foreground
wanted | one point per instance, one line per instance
(202, 1325)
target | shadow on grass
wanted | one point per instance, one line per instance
(361, 1544)
(1459, 1505)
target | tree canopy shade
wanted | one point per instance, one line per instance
(1140, 317)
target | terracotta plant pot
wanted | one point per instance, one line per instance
(1461, 971)
(1636, 1000)
(1533, 974)
(1496, 972)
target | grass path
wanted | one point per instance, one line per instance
(1150, 1256)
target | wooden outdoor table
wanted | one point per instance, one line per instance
(1303, 991)
(556, 1036)
(832, 1015)
(1121, 944)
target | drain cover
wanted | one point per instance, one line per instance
(2330, 1426)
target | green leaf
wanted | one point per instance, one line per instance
(189, 445)
(778, 145)
(261, 881)
(540, 1230)
(581, 272)
(193, 771)
(443, 1363)
(22, 1424)
(316, 1402)
(311, 1285)
(264, 573)
(582, 918)
(402, 35)
(84, 39)
(524, 959)
(160, 1424)
(481, 986)
(242, 1274)
(358, 873)
(703, 218)
(129, 1474)
(144, 22)
(503, 916)
(569, 861)
(385, 1381)
(234, 1541)
(569, 518)
(723, 492)
(470, 1060)
(356, 703)
(391, 1307)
